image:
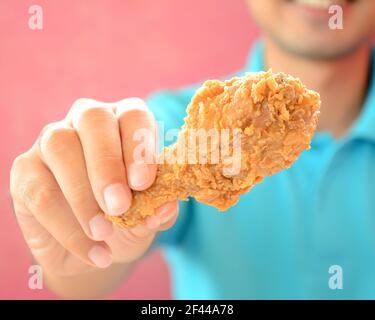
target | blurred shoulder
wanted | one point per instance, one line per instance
(170, 105)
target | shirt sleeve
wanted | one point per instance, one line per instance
(169, 108)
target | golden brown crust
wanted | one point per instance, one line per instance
(273, 118)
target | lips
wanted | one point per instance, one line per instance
(318, 10)
(321, 4)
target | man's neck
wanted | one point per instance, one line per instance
(342, 83)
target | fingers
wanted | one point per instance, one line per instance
(163, 219)
(80, 168)
(99, 134)
(61, 151)
(42, 196)
(138, 132)
(130, 244)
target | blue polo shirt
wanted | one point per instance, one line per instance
(307, 232)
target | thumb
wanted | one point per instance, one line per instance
(130, 244)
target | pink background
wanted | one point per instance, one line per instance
(107, 50)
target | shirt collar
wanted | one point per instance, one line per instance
(364, 126)
(255, 60)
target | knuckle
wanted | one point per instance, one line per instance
(90, 116)
(38, 197)
(82, 103)
(46, 128)
(19, 167)
(56, 138)
(134, 107)
(141, 116)
(132, 102)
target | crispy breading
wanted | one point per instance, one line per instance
(272, 117)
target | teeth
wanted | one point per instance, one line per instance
(319, 3)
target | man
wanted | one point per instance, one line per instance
(280, 241)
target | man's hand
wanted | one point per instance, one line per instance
(77, 170)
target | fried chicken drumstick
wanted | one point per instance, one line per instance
(270, 118)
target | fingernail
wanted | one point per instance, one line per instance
(167, 213)
(117, 199)
(139, 175)
(100, 227)
(163, 215)
(100, 256)
(166, 218)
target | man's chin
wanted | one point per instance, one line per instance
(310, 34)
(316, 50)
